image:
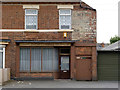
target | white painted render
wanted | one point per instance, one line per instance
(40, 0)
(65, 7)
(30, 6)
(24, 30)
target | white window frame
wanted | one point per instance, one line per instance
(65, 15)
(31, 15)
(3, 51)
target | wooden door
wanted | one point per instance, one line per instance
(83, 69)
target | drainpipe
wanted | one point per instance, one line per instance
(80, 4)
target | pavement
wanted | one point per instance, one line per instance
(60, 84)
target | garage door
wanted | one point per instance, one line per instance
(107, 65)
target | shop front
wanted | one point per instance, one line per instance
(44, 59)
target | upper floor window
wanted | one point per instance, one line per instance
(31, 18)
(64, 19)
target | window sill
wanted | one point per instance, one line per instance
(54, 30)
(31, 30)
(66, 30)
(40, 72)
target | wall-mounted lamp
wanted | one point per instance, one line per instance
(65, 34)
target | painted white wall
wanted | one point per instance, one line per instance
(107, 18)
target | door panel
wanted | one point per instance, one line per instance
(65, 67)
(83, 69)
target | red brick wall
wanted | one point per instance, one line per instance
(83, 51)
(48, 18)
(13, 17)
(11, 49)
(41, 75)
(36, 36)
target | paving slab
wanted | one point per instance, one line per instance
(60, 84)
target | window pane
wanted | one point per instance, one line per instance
(25, 59)
(31, 18)
(65, 63)
(35, 59)
(65, 11)
(65, 20)
(30, 26)
(1, 60)
(31, 22)
(31, 11)
(65, 26)
(47, 59)
(50, 59)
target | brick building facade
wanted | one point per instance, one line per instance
(75, 46)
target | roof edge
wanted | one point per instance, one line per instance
(39, 0)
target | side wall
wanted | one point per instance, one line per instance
(84, 26)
